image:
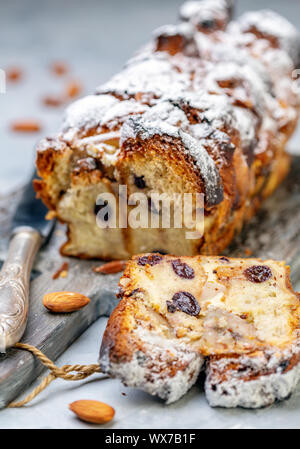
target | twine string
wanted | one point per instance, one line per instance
(83, 371)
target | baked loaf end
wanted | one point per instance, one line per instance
(207, 107)
(240, 315)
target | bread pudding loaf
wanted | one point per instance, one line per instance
(236, 318)
(207, 107)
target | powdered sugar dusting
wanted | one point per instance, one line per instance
(195, 11)
(149, 370)
(153, 75)
(207, 168)
(145, 128)
(88, 112)
(261, 391)
(155, 80)
(169, 113)
(183, 29)
(242, 74)
(120, 111)
(246, 122)
(215, 109)
(272, 24)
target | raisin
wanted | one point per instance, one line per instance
(208, 24)
(136, 290)
(258, 273)
(99, 207)
(284, 365)
(141, 358)
(139, 181)
(120, 292)
(182, 269)
(242, 369)
(185, 302)
(171, 307)
(152, 259)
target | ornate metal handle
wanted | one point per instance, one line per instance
(14, 285)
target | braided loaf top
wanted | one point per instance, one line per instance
(207, 79)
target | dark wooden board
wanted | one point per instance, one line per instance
(273, 233)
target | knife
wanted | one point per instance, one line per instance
(29, 231)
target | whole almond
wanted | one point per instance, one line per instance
(111, 267)
(92, 411)
(53, 100)
(64, 302)
(14, 73)
(59, 68)
(73, 89)
(26, 126)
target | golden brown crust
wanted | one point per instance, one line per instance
(117, 337)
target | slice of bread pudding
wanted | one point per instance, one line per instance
(240, 316)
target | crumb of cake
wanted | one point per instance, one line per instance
(248, 252)
(62, 271)
(51, 214)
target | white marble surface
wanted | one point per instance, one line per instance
(96, 38)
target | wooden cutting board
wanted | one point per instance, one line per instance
(273, 233)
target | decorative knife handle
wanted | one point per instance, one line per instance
(14, 285)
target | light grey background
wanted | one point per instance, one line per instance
(95, 38)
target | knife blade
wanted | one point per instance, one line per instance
(29, 231)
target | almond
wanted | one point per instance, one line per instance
(92, 411)
(64, 302)
(14, 74)
(111, 267)
(73, 89)
(26, 126)
(53, 100)
(59, 68)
